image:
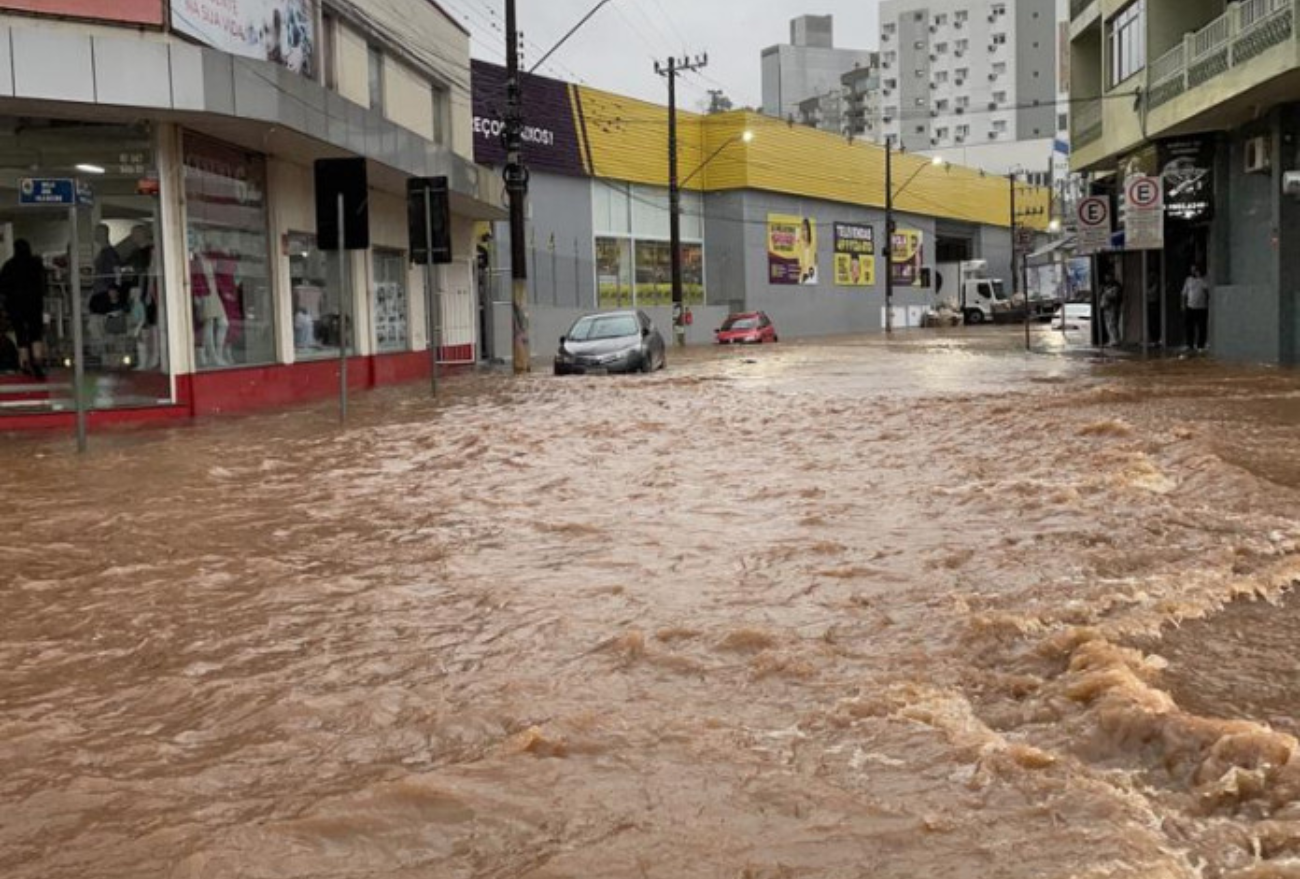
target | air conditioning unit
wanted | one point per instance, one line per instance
(961, 82)
(1259, 158)
(993, 105)
(961, 110)
(934, 141)
(934, 113)
(934, 29)
(992, 19)
(960, 139)
(993, 135)
(957, 24)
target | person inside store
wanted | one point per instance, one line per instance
(22, 285)
(106, 289)
(1196, 310)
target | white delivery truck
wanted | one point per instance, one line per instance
(967, 289)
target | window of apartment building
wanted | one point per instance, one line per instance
(961, 16)
(441, 113)
(1000, 126)
(941, 19)
(889, 58)
(1000, 68)
(962, 46)
(941, 133)
(963, 132)
(1062, 121)
(942, 105)
(999, 98)
(891, 84)
(963, 102)
(941, 48)
(999, 39)
(998, 9)
(941, 76)
(1126, 39)
(376, 64)
(961, 74)
(920, 129)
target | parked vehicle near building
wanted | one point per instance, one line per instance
(748, 328)
(611, 342)
(977, 297)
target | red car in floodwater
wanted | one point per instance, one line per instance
(751, 328)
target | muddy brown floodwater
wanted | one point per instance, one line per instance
(829, 610)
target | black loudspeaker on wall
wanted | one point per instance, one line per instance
(438, 229)
(346, 177)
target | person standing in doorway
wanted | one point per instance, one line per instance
(22, 284)
(1112, 299)
(1196, 310)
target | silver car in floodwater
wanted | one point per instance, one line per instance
(611, 342)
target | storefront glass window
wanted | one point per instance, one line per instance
(317, 285)
(614, 272)
(392, 325)
(654, 273)
(124, 323)
(230, 279)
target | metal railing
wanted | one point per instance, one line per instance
(1245, 30)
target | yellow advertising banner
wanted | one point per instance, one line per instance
(907, 258)
(791, 250)
(855, 255)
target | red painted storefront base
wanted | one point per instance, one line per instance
(232, 391)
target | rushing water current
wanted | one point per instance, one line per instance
(832, 610)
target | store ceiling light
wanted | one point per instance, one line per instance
(90, 169)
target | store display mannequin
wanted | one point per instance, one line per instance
(209, 312)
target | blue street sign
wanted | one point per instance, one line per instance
(54, 192)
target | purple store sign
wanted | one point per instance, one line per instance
(551, 140)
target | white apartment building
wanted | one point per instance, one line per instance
(981, 84)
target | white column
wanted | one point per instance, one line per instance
(172, 240)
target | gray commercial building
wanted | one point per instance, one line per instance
(787, 220)
(808, 67)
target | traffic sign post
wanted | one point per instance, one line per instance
(1094, 222)
(1144, 220)
(70, 193)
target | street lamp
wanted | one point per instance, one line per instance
(890, 195)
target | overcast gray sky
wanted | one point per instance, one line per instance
(616, 50)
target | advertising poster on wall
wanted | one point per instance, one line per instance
(1187, 168)
(126, 11)
(791, 250)
(907, 257)
(855, 255)
(280, 31)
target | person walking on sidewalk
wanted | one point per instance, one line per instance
(1196, 310)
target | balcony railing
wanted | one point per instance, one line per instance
(1086, 120)
(1246, 30)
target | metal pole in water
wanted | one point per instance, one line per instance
(428, 288)
(78, 353)
(343, 317)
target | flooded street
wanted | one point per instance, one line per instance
(824, 610)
